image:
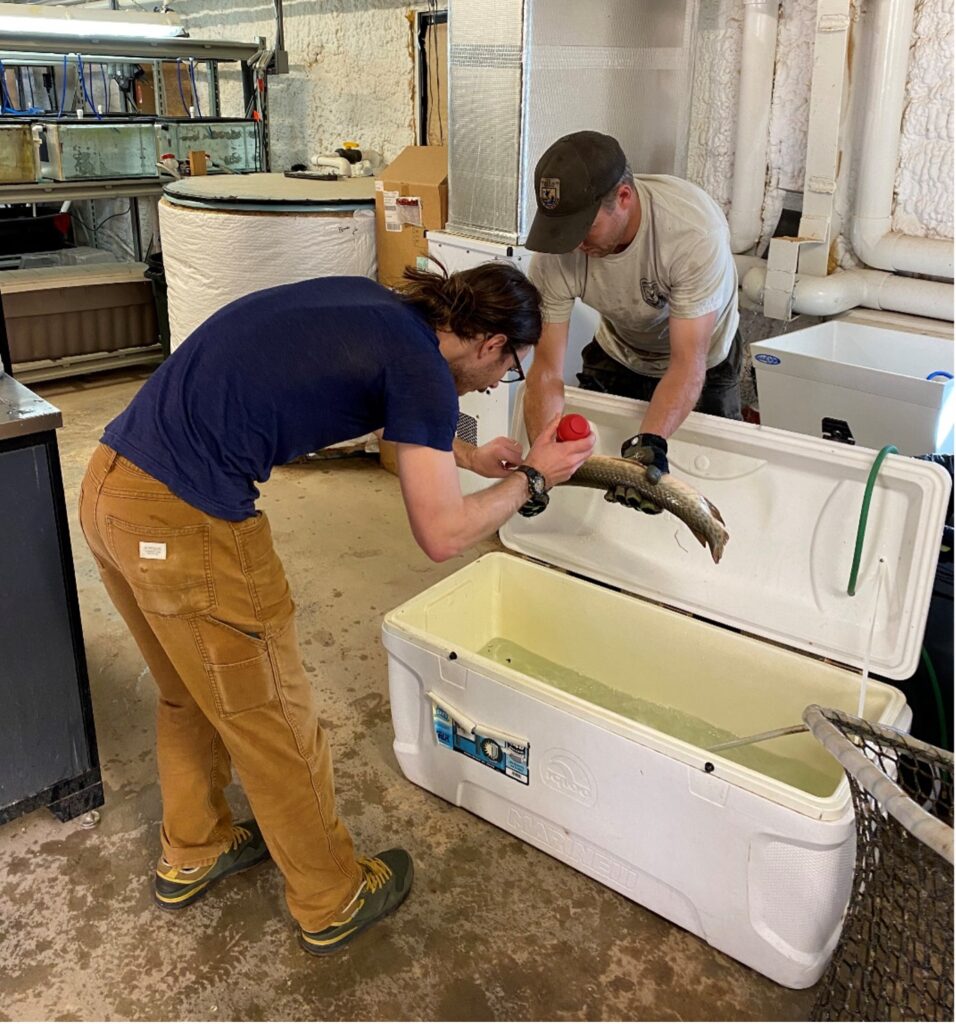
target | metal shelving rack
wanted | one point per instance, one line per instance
(254, 60)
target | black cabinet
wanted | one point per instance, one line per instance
(48, 753)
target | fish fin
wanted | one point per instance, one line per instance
(714, 511)
(701, 539)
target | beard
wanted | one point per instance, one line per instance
(467, 381)
(607, 249)
(608, 245)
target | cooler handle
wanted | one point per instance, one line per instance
(500, 736)
(469, 725)
(458, 717)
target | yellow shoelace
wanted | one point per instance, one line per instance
(239, 836)
(376, 872)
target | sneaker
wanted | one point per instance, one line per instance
(175, 888)
(388, 878)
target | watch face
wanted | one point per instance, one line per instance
(536, 485)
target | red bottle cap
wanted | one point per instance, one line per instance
(573, 428)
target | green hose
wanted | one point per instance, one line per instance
(891, 449)
(937, 693)
(865, 513)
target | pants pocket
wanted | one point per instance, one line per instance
(263, 570)
(239, 667)
(168, 568)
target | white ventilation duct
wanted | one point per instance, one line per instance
(522, 73)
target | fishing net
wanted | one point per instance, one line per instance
(894, 960)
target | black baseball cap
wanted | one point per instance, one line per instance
(570, 180)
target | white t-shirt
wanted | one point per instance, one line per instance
(679, 264)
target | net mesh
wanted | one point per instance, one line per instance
(894, 960)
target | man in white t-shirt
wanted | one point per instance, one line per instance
(651, 253)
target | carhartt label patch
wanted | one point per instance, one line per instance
(549, 193)
(151, 549)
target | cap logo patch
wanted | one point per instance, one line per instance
(549, 193)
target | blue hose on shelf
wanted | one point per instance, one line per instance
(86, 95)
(63, 90)
(6, 103)
(192, 81)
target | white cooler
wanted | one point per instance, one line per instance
(877, 386)
(605, 767)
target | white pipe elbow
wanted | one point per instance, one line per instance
(752, 284)
(828, 296)
(847, 289)
(744, 230)
(339, 164)
(877, 246)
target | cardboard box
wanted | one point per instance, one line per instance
(411, 197)
(388, 456)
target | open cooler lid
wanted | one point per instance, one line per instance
(791, 504)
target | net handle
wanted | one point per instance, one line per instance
(918, 822)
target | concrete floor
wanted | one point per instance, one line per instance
(493, 929)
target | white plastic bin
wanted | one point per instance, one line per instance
(591, 742)
(840, 380)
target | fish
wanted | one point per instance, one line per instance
(701, 516)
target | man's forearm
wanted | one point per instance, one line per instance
(463, 453)
(674, 397)
(543, 400)
(480, 515)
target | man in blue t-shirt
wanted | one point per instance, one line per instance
(168, 509)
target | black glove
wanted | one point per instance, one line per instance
(649, 450)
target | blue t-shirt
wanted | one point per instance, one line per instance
(280, 373)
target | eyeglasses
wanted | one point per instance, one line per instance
(515, 374)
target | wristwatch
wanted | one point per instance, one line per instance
(537, 490)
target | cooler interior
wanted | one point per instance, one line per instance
(642, 665)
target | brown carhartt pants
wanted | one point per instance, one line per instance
(208, 605)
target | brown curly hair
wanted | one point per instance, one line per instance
(492, 298)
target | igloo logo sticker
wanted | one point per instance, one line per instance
(568, 775)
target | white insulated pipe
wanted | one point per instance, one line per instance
(873, 240)
(874, 289)
(759, 52)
